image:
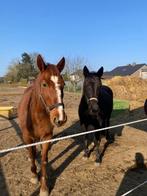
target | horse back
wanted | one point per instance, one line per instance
(106, 100)
(106, 90)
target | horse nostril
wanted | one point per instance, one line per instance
(57, 121)
(94, 110)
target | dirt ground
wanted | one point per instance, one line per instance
(123, 167)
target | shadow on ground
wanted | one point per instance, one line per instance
(123, 116)
(137, 114)
(17, 129)
(136, 175)
(3, 184)
(132, 175)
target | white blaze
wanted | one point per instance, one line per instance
(60, 108)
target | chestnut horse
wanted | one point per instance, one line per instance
(40, 109)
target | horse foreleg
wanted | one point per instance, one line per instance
(86, 144)
(44, 189)
(97, 140)
(32, 156)
(109, 136)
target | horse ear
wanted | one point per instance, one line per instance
(40, 63)
(61, 64)
(85, 71)
(100, 72)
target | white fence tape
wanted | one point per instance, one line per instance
(70, 136)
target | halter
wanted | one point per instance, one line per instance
(51, 107)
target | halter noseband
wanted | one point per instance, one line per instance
(51, 107)
(93, 98)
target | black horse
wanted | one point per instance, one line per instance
(145, 106)
(95, 110)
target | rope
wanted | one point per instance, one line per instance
(134, 188)
(70, 136)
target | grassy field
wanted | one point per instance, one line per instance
(120, 106)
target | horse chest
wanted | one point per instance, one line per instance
(41, 125)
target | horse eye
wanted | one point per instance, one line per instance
(44, 84)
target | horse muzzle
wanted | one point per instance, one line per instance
(59, 122)
(93, 107)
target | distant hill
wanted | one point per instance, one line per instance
(124, 70)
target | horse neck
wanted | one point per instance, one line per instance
(35, 100)
(84, 100)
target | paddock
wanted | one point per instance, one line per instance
(124, 164)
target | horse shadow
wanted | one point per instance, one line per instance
(134, 177)
(17, 129)
(137, 173)
(14, 125)
(137, 114)
(123, 116)
(3, 185)
(118, 117)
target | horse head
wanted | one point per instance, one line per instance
(50, 86)
(91, 89)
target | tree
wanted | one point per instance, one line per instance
(74, 64)
(26, 68)
(34, 64)
(25, 58)
(73, 71)
(12, 74)
(23, 68)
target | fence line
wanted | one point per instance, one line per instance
(70, 136)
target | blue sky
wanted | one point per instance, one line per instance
(104, 32)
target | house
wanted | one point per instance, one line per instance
(1, 79)
(76, 76)
(138, 70)
(31, 80)
(142, 72)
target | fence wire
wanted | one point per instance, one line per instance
(70, 136)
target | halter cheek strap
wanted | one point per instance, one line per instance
(51, 107)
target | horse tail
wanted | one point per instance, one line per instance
(145, 106)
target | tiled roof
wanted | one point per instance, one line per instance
(125, 70)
